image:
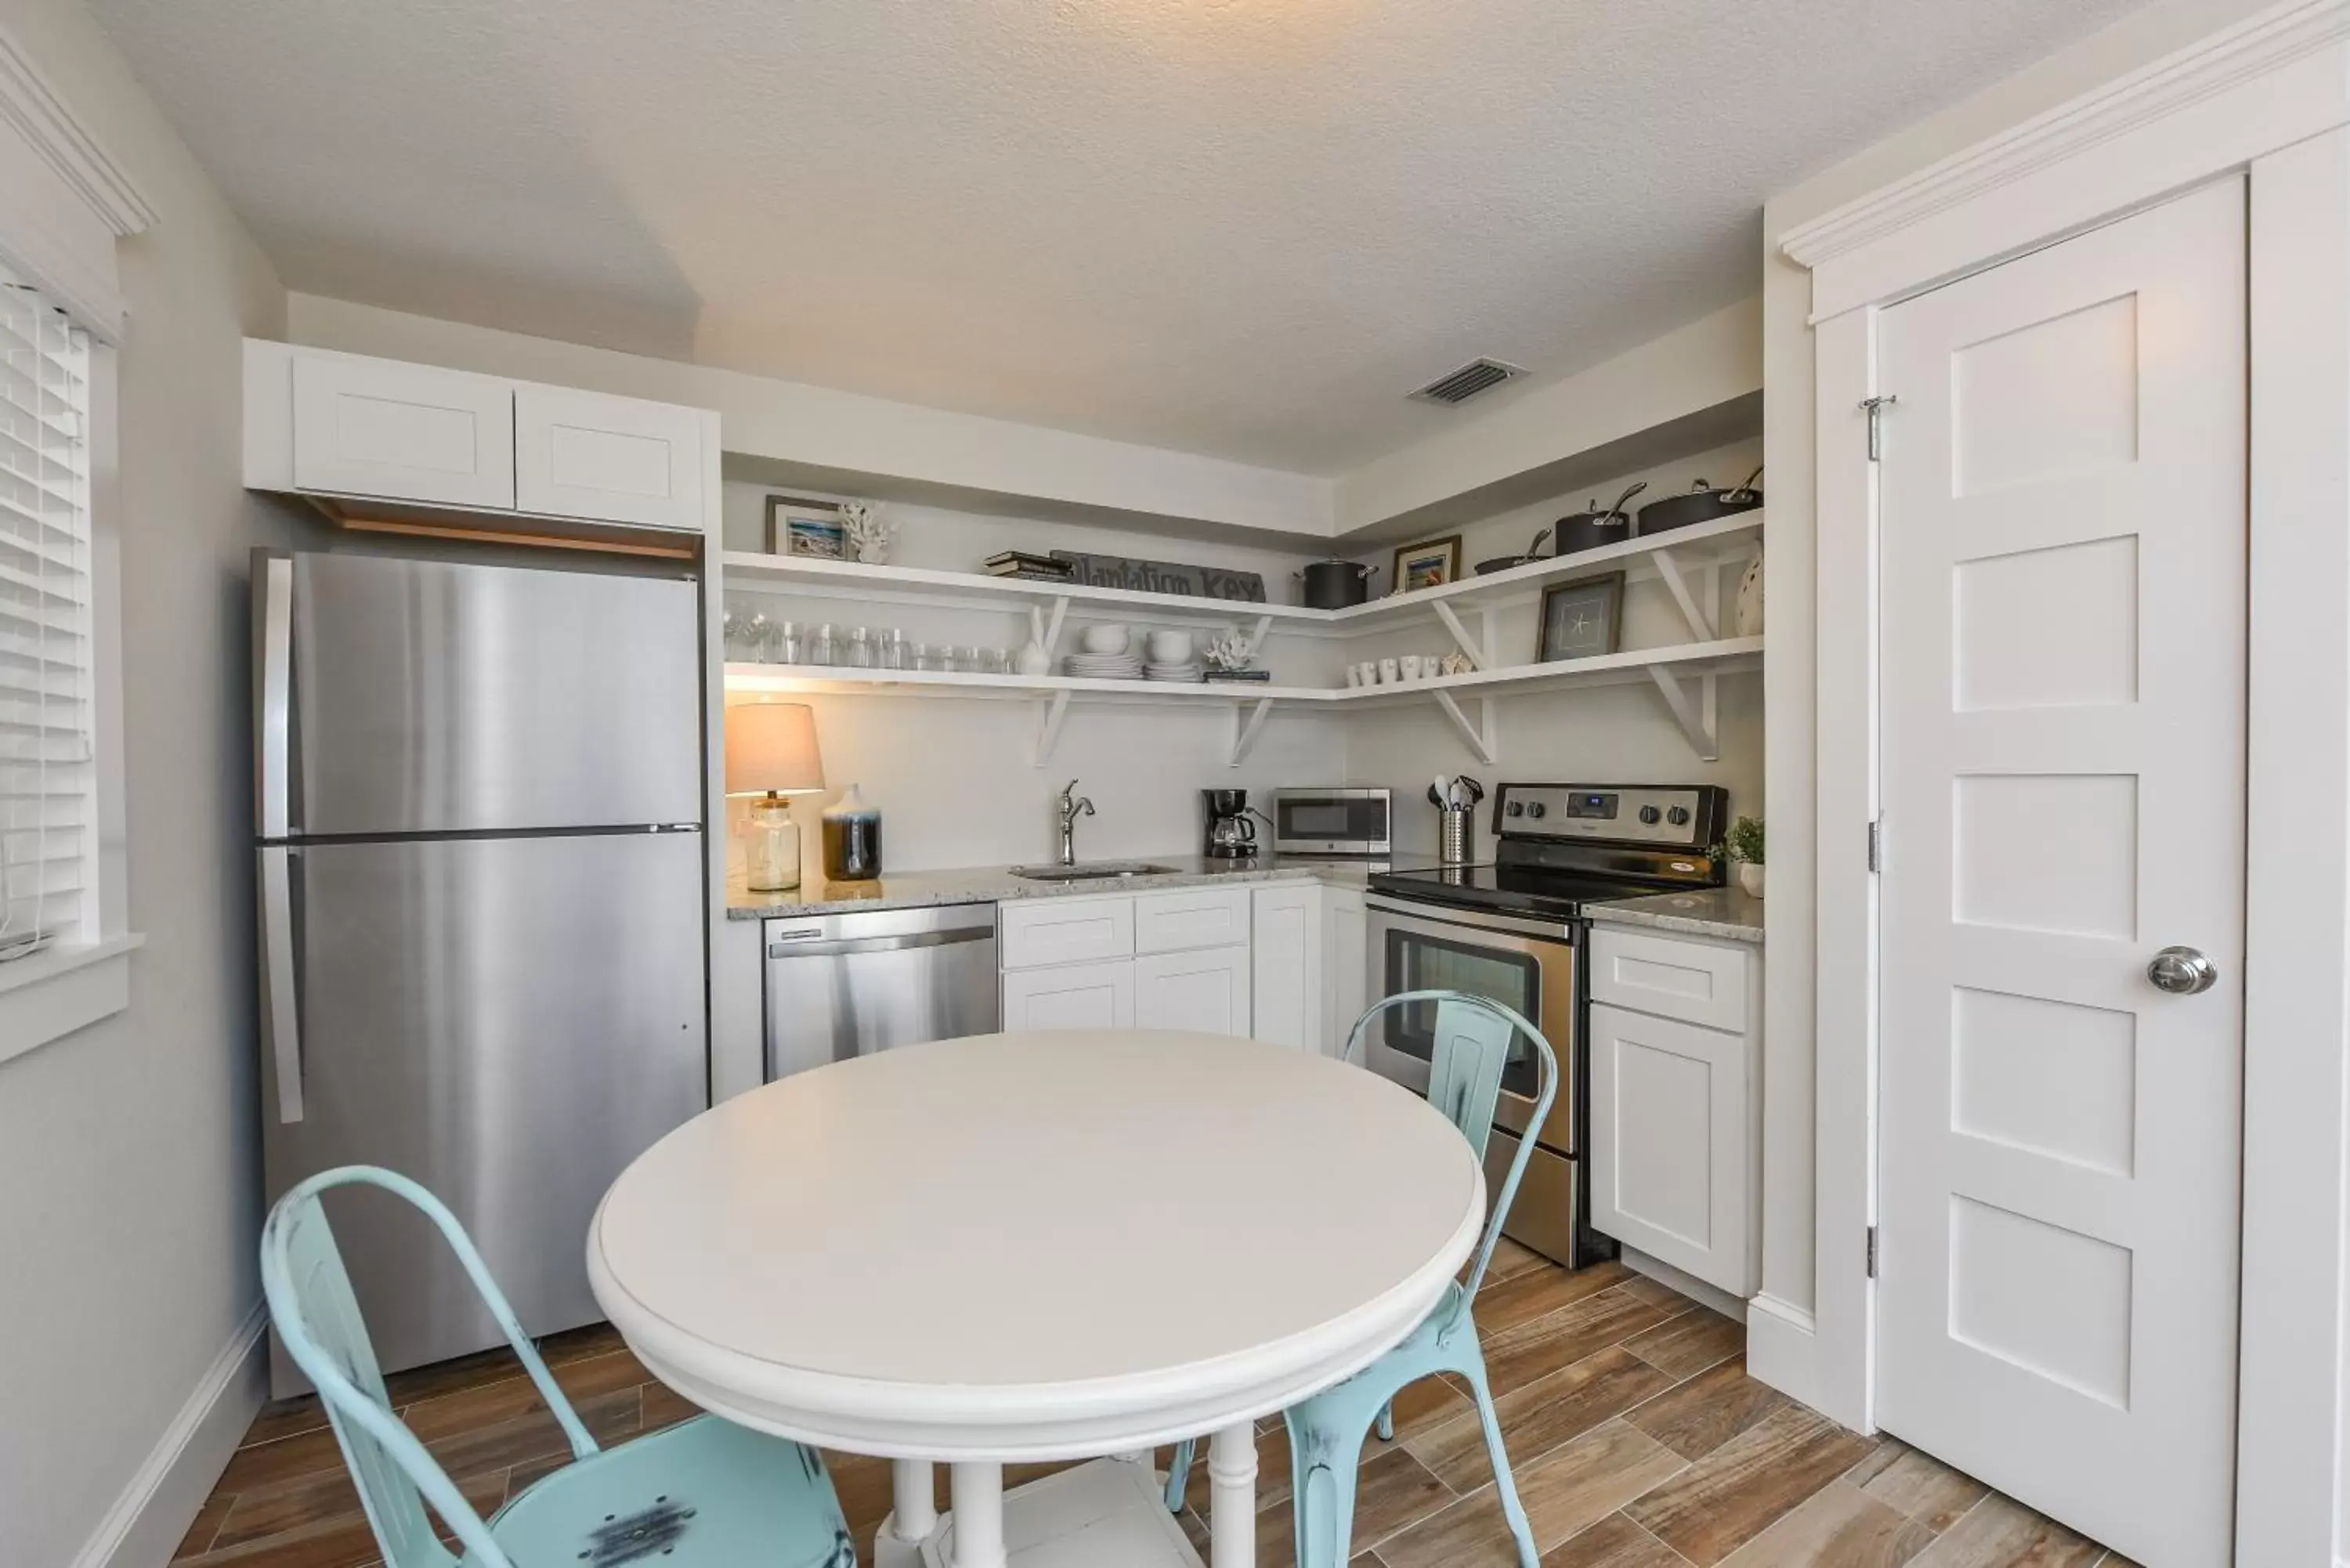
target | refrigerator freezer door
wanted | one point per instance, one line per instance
(510, 1022)
(429, 697)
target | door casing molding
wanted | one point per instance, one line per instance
(2269, 100)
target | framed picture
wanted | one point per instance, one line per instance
(1430, 564)
(1582, 617)
(798, 527)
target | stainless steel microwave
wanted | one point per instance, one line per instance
(1332, 821)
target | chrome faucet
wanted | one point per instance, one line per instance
(1073, 805)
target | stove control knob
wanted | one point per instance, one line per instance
(1517, 808)
(1537, 809)
(1678, 817)
(1650, 814)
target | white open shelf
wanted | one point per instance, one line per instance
(1676, 556)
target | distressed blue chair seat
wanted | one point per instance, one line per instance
(703, 1494)
(1472, 1040)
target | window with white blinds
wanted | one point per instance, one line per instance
(48, 734)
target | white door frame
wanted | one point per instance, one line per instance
(2269, 98)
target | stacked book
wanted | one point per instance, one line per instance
(1020, 564)
(1236, 675)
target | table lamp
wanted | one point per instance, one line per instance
(771, 752)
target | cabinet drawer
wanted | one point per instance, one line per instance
(621, 460)
(1076, 996)
(1041, 932)
(1191, 917)
(411, 432)
(1697, 982)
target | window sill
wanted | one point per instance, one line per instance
(50, 994)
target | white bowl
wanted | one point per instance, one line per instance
(1170, 647)
(1104, 639)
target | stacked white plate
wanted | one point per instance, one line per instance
(1125, 666)
(1190, 671)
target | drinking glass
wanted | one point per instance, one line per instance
(860, 649)
(823, 647)
(892, 652)
(791, 643)
(993, 662)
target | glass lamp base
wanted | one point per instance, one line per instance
(771, 845)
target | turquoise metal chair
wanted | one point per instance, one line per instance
(1472, 1038)
(703, 1494)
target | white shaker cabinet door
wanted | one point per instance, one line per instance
(406, 432)
(618, 460)
(1075, 996)
(1287, 978)
(1207, 990)
(1671, 1146)
(1347, 968)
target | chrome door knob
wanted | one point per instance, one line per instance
(2182, 971)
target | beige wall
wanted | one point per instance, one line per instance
(1788, 436)
(127, 1150)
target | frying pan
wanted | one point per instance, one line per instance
(1702, 502)
(1590, 529)
(1504, 563)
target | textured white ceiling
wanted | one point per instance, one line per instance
(1238, 227)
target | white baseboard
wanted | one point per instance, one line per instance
(1782, 1348)
(1687, 1283)
(146, 1523)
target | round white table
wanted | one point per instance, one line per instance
(1039, 1246)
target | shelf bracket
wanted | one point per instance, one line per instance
(1049, 632)
(1700, 623)
(1697, 713)
(1245, 733)
(1478, 735)
(1478, 650)
(1050, 715)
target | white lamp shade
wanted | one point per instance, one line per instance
(771, 748)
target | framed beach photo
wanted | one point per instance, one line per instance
(799, 526)
(1430, 564)
(1582, 619)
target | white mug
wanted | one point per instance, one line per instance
(1366, 673)
(1354, 675)
(1413, 665)
(1389, 672)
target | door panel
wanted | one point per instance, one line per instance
(622, 460)
(2063, 546)
(1206, 992)
(1077, 996)
(1672, 1171)
(510, 1022)
(437, 697)
(414, 432)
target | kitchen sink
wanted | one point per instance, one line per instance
(1090, 871)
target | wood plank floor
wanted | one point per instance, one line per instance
(1637, 1440)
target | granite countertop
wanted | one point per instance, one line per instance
(1731, 913)
(992, 884)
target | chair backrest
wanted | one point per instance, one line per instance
(318, 1321)
(1471, 1038)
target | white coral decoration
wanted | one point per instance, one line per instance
(1231, 652)
(869, 532)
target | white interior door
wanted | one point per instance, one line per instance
(2063, 643)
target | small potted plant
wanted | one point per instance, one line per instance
(1745, 847)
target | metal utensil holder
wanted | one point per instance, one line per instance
(1456, 835)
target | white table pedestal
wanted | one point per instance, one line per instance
(1106, 1513)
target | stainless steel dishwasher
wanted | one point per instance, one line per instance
(846, 985)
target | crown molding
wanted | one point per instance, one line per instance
(2253, 47)
(30, 105)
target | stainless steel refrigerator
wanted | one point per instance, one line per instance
(480, 845)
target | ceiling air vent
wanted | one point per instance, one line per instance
(1459, 386)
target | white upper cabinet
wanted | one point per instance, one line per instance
(411, 432)
(324, 423)
(621, 460)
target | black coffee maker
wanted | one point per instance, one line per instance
(1231, 834)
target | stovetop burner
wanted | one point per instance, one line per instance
(1530, 890)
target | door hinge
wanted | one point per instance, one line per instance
(1875, 845)
(1874, 408)
(1872, 1251)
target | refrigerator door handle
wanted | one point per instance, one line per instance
(274, 693)
(281, 999)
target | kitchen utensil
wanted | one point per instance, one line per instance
(1589, 529)
(1334, 585)
(1700, 503)
(1104, 639)
(1456, 832)
(1504, 563)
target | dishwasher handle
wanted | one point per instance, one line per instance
(815, 944)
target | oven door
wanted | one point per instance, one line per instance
(1525, 965)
